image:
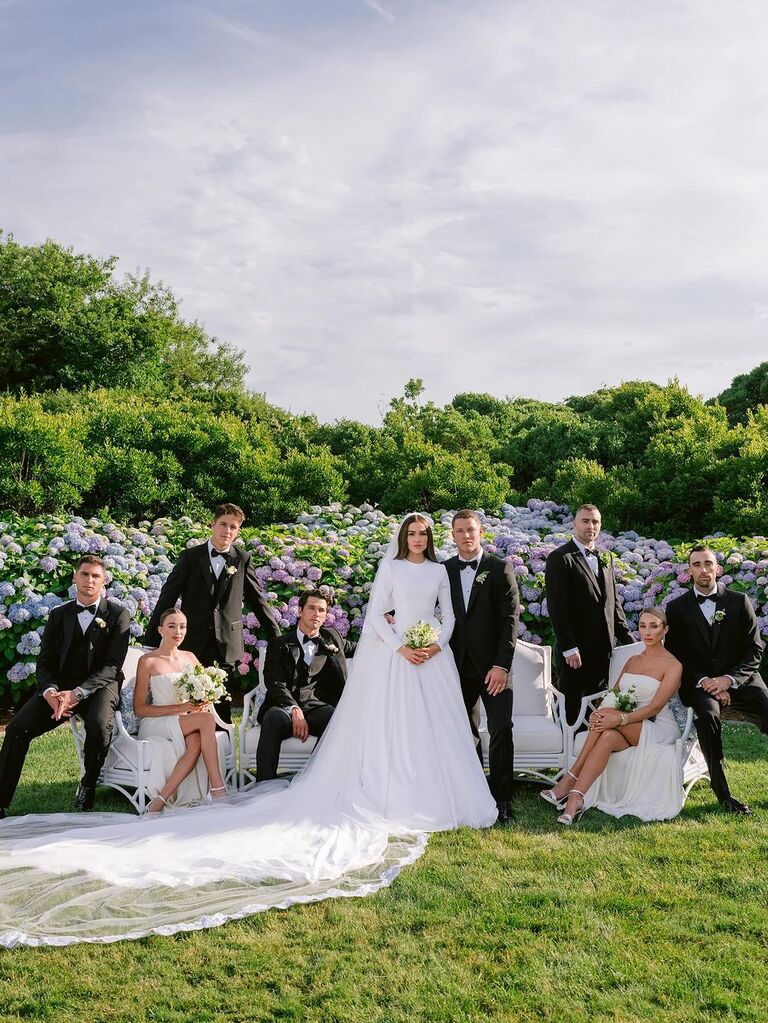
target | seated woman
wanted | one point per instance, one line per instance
(186, 732)
(629, 763)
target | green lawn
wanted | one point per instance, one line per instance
(608, 920)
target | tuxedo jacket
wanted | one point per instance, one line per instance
(107, 646)
(285, 682)
(731, 646)
(214, 607)
(486, 629)
(584, 608)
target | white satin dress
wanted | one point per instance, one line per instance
(646, 780)
(396, 762)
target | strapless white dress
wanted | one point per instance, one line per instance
(396, 762)
(646, 780)
(168, 746)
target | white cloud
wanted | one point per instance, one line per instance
(513, 198)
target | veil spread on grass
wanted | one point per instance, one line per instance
(67, 878)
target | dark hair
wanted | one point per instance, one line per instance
(170, 611)
(402, 538)
(697, 548)
(91, 559)
(321, 593)
(229, 509)
(466, 513)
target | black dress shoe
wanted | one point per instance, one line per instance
(505, 818)
(731, 805)
(2, 813)
(84, 798)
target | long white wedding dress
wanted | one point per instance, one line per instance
(646, 780)
(397, 761)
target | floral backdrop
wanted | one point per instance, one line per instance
(335, 546)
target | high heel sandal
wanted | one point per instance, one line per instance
(219, 788)
(548, 795)
(568, 818)
(162, 799)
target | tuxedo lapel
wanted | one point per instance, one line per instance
(93, 632)
(484, 566)
(457, 596)
(694, 612)
(582, 565)
(225, 579)
(68, 630)
(209, 576)
(714, 630)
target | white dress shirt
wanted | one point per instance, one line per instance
(309, 649)
(86, 619)
(467, 575)
(708, 609)
(216, 559)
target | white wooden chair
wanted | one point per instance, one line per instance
(692, 763)
(538, 715)
(129, 758)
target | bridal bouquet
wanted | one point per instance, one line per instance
(620, 700)
(202, 685)
(419, 635)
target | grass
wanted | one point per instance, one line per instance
(610, 920)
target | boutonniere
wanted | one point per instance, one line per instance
(231, 569)
(331, 648)
(100, 622)
(719, 616)
(480, 579)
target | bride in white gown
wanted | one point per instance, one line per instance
(629, 763)
(396, 762)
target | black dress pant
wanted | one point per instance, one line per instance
(35, 718)
(750, 699)
(575, 683)
(501, 750)
(277, 726)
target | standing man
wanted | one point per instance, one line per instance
(212, 580)
(713, 632)
(304, 675)
(79, 671)
(486, 603)
(585, 611)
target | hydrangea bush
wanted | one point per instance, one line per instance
(334, 546)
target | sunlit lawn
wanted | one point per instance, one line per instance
(610, 920)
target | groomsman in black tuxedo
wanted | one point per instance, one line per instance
(79, 671)
(486, 603)
(585, 611)
(212, 580)
(304, 675)
(714, 633)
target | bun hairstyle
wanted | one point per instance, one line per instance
(171, 611)
(657, 612)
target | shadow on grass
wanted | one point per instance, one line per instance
(59, 797)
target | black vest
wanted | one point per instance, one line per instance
(75, 667)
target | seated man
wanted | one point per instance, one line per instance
(304, 675)
(79, 670)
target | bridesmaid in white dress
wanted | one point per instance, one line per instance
(185, 757)
(629, 763)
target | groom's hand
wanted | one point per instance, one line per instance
(300, 726)
(496, 681)
(715, 686)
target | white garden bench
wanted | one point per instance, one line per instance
(129, 758)
(693, 766)
(538, 715)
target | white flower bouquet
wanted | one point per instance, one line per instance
(420, 635)
(202, 685)
(617, 699)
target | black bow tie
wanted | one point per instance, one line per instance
(468, 564)
(219, 554)
(91, 608)
(309, 639)
(591, 554)
(702, 599)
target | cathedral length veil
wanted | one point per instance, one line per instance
(101, 877)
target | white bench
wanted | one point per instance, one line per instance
(541, 742)
(693, 766)
(129, 758)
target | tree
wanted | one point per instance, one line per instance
(66, 322)
(746, 393)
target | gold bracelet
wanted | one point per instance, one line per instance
(624, 720)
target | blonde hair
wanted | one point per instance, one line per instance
(657, 612)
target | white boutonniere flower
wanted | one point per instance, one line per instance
(719, 616)
(100, 622)
(231, 569)
(480, 579)
(331, 648)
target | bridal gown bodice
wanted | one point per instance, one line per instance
(397, 761)
(645, 780)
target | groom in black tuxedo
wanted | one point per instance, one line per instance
(212, 580)
(585, 611)
(79, 671)
(486, 603)
(304, 675)
(714, 633)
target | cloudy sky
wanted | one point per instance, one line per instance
(525, 197)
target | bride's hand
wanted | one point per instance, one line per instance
(604, 719)
(411, 655)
